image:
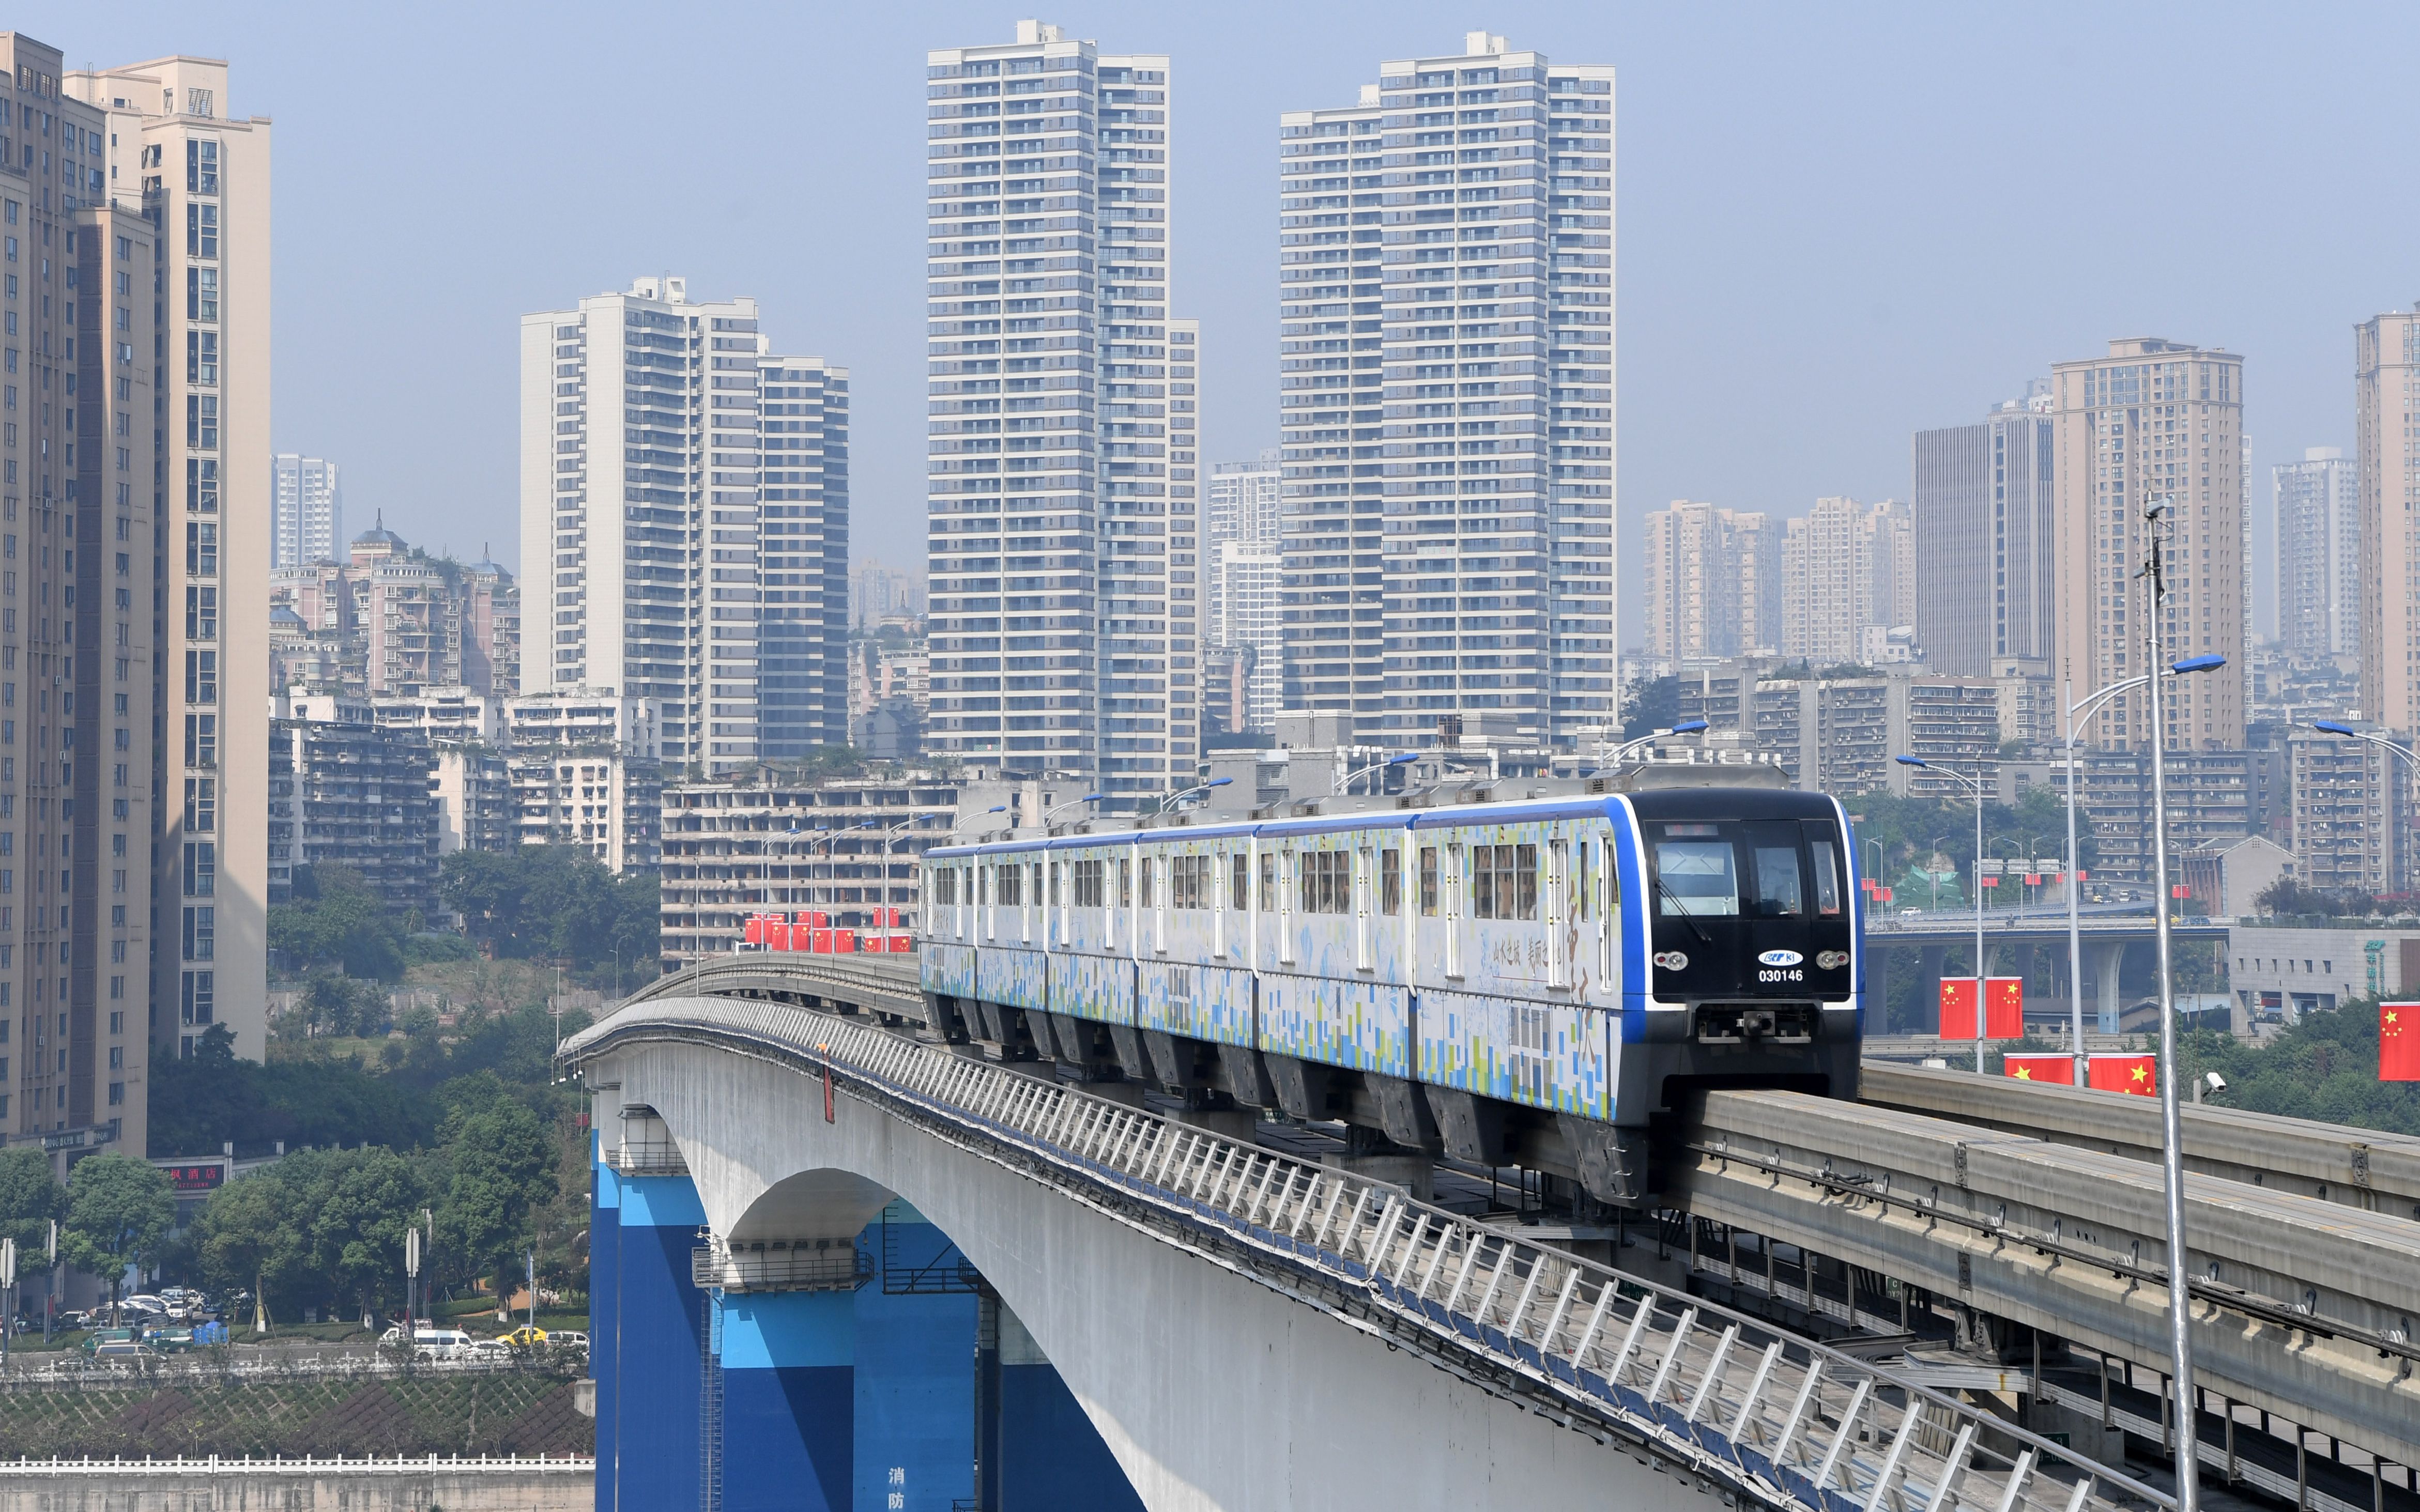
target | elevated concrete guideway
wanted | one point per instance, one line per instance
(1247, 1329)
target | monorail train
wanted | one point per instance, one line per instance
(1525, 983)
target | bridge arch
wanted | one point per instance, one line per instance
(1208, 1388)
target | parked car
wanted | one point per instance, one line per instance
(100, 1336)
(527, 1337)
(124, 1352)
(567, 1339)
(170, 1340)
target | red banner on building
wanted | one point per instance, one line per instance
(2004, 1007)
(2058, 1068)
(2135, 1074)
(2398, 1041)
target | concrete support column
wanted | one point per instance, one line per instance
(789, 1400)
(658, 1348)
(2104, 959)
(604, 1316)
(1934, 964)
(915, 1382)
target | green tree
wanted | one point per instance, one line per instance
(337, 918)
(552, 901)
(500, 1166)
(119, 1212)
(361, 1203)
(246, 1237)
(201, 1102)
(30, 1197)
(1651, 706)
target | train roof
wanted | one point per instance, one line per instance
(1678, 803)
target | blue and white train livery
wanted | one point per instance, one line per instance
(1519, 983)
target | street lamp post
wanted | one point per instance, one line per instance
(1345, 784)
(1198, 787)
(1613, 762)
(1975, 784)
(2076, 714)
(1089, 798)
(2187, 1396)
(885, 837)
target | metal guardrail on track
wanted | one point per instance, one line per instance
(1780, 1419)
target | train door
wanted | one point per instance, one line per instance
(1455, 882)
(1364, 879)
(1557, 910)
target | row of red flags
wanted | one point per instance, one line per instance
(2004, 1018)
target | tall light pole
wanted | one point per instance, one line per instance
(1186, 792)
(2187, 1396)
(1613, 762)
(1345, 784)
(1975, 784)
(1089, 798)
(2076, 714)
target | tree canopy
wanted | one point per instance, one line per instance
(118, 1213)
(30, 1197)
(337, 919)
(552, 903)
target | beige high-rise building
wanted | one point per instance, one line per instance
(2152, 419)
(201, 176)
(1712, 581)
(2387, 410)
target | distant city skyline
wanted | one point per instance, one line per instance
(1773, 262)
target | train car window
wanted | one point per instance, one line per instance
(1240, 883)
(1324, 881)
(1828, 887)
(1696, 875)
(1428, 881)
(1268, 882)
(1504, 882)
(945, 886)
(1088, 884)
(1056, 867)
(1780, 880)
(1195, 883)
(1391, 880)
(1011, 886)
(1126, 884)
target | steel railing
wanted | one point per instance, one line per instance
(787, 1268)
(1781, 1418)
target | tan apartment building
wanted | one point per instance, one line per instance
(80, 367)
(2151, 418)
(2386, 411)
(201, 176)
(1845, 567)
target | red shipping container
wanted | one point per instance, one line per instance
(2136, 1075)
(2058, 1068)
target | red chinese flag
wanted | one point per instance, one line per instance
(2398, 1041)
(2059, 1069)
(1886, 894)
(2136, 1075)
(2004, 1007)
(754, 931)
(1958, 1008)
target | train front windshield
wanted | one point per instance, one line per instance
(1755, 908)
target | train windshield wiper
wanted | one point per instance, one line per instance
(1681, 910)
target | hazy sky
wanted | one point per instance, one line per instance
(1836, 223)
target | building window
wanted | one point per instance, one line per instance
(202, 420)
(201, 154)
(201, 677)
(202, 740)
(201, 869)
(201, 808)
(117, 1092)
(201, 615)
(202, 357)
(202, 484)
(201, 998)
(201, 934)
(201, 231)
(202, 549)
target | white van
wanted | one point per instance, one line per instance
(440, 1343)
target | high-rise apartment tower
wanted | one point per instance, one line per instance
(201, 176)
(1985, 567)
(1064, 550)
(2387, 419)
(2152, 420)
(309, 500)
(1446, 257)
(2319, 553)
(684, 521)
